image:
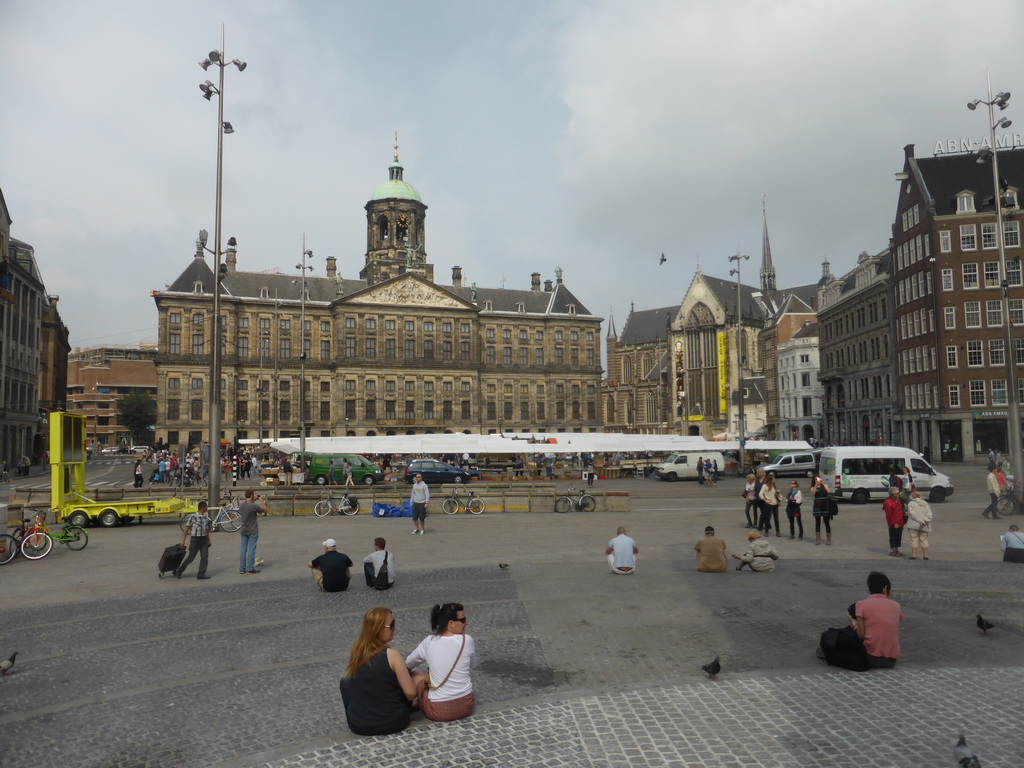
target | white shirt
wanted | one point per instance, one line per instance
(377, 559)
(440, 653)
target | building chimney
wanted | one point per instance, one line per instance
(332, 266)
(230, 260)
(547, 286)
(457, 277)
(535, 281)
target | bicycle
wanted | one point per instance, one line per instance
(38, 540)
(582, 503)
(454, 504)
(347, 505)
(1011, 500)
(226, 518)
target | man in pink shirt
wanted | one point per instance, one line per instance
(872, 638)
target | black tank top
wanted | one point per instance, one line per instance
(374, 701)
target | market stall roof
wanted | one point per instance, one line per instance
(537, 442)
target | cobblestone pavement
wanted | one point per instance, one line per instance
(577, 667)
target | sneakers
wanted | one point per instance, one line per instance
(202, 576)
(255, 570)
(414, 531)
(177, 574)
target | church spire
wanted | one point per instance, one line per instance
(611, 324)
(767, 270)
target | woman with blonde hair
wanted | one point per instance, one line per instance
(770, 497)
(446, 691)
(919, 523)
(377, 689)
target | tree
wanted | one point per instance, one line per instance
(136, 412)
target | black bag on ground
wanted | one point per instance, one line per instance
(380, 581)
(171, 559)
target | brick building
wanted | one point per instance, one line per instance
(98, 377)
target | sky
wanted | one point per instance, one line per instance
(591, 135)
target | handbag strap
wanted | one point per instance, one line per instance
(454, 665)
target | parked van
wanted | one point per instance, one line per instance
(363, 471)
(860, 473)
(793, 465)
(683, 466)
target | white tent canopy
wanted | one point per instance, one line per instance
(539, 442)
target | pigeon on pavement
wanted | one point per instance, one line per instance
(983, 625)
(503, 566)
(6, 664)
(964, 755)
(713, 668)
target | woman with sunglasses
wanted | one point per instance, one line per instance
(377, 689)
(446, 691)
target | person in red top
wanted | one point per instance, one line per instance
(894, 520)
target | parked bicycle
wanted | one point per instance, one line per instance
(1011, 500)
(226, 518)
(454, 504)
(346, 505)
(582, 502)
(38, 539)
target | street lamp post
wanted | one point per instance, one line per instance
(1015, 447)
(302, 267)
(739, 358)
(216, 58)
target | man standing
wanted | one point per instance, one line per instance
(198, 525)
(419, 498)
(373, 562)
(992, 485)
(250, 530)
(331, 569)
(622, 552)
(330, 473)
(711, 553)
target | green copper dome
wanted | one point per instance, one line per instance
(395, 186)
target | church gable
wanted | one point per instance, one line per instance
(408, 290)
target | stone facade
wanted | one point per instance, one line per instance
(799, 391)
(856, 353)
(390, 353)
(639, 390)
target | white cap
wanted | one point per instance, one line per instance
(330, 544)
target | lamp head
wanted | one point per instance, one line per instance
(215, 57)
(232, 244)
(973, 105)
(309, 254)
(228, 128)
(205, 64)
(1003, 123)
(240, 64)
(203, 237)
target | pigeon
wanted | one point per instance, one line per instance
(662, 260)
(712, 669)
(503, 566)
(983, 625)
(965, 755)
(6, 664)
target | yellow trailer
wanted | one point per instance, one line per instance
(67, 482)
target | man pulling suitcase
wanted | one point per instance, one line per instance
(197, 529)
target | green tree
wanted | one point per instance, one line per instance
(136, 412)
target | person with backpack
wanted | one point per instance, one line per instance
(379, 566)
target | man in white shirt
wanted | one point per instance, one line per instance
(622, 552)
(372, 563)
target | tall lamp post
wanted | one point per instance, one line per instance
(1001, 198)
(216, 58)
(739, 358)
(302, 267)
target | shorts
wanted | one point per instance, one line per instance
(419, 511)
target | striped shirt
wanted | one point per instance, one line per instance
(198, 524)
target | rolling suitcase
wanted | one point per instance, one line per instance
(170, 559)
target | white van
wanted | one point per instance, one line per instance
(860, 473)
(682, 466)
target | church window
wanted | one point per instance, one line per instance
(382, 229)
(371, 323)
(389, 325)
(627, 370)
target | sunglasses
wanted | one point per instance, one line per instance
(390, 626)
(464, 620)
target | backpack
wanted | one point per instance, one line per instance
(380, 581)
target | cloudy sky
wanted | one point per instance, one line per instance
(591, 135)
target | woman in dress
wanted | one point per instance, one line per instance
(770, 500)
(377, 689)
(446, 691)
(894, 520)
(794, 498)
(919, 523)
(822, 511)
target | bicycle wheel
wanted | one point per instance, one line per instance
(563, 504)
(36, 545)
(322, 508)
(476, 506)
(230, 520)
(350, 507)
(76, 538)
(8, 548)
(588, 503)
(450, 506)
